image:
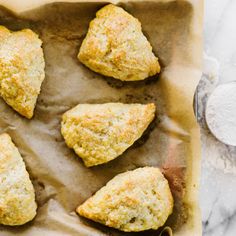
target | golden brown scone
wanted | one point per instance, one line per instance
(17, 198)
(115, 46)
(99, 133)
(21, 69)
(132, 201)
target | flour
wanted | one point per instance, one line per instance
(221, 113)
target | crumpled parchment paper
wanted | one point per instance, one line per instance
(172, 142)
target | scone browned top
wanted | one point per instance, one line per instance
(21, 69)
(132, 201)
(17, 198)
(115, 46)
(99, 133)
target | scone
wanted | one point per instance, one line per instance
(115, 46)
(17, 198)
(132, 201)
(21, 69)
(99, 133)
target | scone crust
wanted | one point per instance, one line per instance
(115, 46)
(132, 201)
(99, 133)
(17, 197)
(21, 69)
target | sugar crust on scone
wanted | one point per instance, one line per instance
(115, 46)
(132, 201)
(21, 69)
(99, 133)
(17, 197)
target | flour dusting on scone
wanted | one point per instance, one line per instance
(21, 69)
(115, 46)
(99, 133)
(17, 198)
(132, 201)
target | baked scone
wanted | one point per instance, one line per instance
(21, 69)
(17, 198)
(115, 46)
(99, 133)
(132, 201)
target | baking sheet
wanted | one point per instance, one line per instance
(172, 142)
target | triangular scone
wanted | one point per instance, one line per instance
(115, 46)
(21, 69)
(132, 201)
(101, 132)
(17, 198)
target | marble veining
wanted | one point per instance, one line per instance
(218, 180)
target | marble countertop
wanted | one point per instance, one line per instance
(218, 181)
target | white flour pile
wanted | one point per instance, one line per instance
(221, 113)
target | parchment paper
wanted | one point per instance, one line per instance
(172, 141)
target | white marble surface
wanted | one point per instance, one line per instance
(218, 182)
